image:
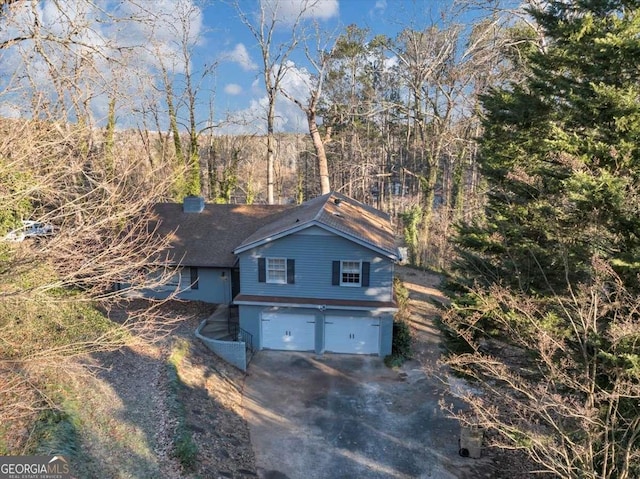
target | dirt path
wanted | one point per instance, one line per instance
(426, 304)
(125, 428)
(424, 295)
(127, 425)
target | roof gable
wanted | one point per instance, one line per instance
(336, 213)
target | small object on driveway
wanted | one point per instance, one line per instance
(471, 441)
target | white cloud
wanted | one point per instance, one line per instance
(232, 89)
(288, 10)
(379, 7)
(288, 118)
(256, 87)
(241, 56)
(297, 82)
(120, 44)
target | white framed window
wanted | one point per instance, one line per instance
(276, 270)
(350, 273)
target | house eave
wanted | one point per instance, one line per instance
(268, 239)
(392, 255)
(317, 303)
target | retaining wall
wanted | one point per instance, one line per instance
(234, 352)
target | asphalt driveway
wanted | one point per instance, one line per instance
(343, 416)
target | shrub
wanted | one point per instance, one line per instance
(401, 346)
(401, 294)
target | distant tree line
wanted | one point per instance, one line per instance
(392, 121)
(505, 142)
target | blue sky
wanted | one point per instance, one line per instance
(227, 41)
(151, 31)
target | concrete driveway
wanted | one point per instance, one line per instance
(343, 416)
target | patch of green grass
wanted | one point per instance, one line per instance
(184, 448)
(56, 430)
(32, 327)
(179, 351)
(55, 433)
(47, 330)
(4, 447)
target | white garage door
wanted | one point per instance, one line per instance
(350, 334)
(291, 332)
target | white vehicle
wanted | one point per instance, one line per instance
(29, 229)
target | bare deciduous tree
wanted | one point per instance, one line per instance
(275, 63)
(59, 166)
(319, 58)
(565, 387)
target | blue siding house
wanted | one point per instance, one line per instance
(314, 277)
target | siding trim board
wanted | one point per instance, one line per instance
(320, 303)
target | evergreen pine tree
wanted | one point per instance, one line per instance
(554, 265)
(561, 153)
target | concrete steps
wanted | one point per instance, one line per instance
(215, 329)
(214, 333)
(217, 325)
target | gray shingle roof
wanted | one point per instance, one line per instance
(207, 239)
(210, 238)
(334, 211)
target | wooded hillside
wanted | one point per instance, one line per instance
(504, 142)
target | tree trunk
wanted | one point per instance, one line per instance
(270, 153)
(321, 155)
(428, 189)
(194, 186)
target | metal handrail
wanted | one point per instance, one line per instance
(239, 334)
(233, 329)
(247, 338)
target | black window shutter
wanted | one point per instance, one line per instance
(335, 278)
(291, 271)
(193, 271)
(262, 270)
(366, 267)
